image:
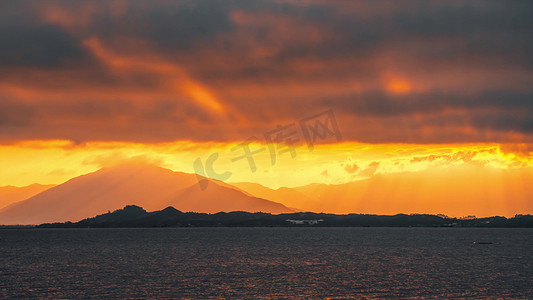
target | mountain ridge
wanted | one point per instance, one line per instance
(10, 195)
(146, 185)
(454, 191)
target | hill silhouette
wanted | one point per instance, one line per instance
(135, 216)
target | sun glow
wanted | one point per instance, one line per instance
(399, 86)
(56, 161)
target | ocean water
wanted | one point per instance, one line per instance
(266, 263)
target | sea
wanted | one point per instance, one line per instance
(267, 263)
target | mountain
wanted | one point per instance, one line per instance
(13, 194)
(453, 191)
(288, 196)
(135, 216)
(148, 186)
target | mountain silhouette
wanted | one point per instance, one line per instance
(13, 194)
(288, 196)
(454, 191)
(144, 185)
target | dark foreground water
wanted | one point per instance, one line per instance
(266, 263)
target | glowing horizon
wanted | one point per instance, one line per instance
(61, 160)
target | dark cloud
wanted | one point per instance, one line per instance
(172, 25)
(509, 121)
(38, 45)
(379, 103)
(468, 66)
(14, 114)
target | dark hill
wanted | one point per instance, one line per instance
(135, 216)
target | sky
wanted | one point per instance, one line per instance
(319, 91)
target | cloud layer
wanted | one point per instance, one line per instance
(415, 72)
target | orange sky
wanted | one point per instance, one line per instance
(53, 162)
(89, 84)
